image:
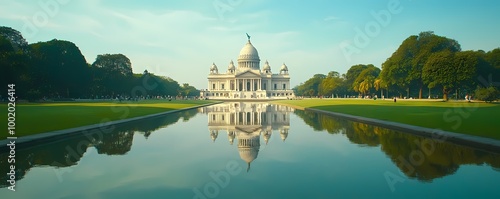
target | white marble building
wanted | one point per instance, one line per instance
(247, 81)
(247, 122)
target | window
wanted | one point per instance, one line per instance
(249, 119)
(275, 86)
(264, 87)
(284, 86)
(213, 86)
(222, 86)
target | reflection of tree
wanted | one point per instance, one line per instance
(116, 143)
(421, 158)
(56, 154)
(156, 123)
(66, 151)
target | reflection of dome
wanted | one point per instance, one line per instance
(283, 134)
(214, 134)
(231, 136)
(267, 135)
(248, 154)
(248, 146)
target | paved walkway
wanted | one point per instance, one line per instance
(33, 139)
(483, 143)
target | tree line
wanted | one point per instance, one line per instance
(424, 65)
(56, 69)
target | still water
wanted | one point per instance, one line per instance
(251, 150)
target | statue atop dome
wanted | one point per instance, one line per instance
(248, 36)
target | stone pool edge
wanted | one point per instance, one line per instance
(67, 132)
(483, 143)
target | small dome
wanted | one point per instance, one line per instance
(213, 67)
(231, 66)
(266, 66)
(284, 67)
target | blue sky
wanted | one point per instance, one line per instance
(181, 39)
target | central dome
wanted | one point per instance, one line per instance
(249, 57)
(249, 52)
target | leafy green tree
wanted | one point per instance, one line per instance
(492, 70)
(352, 74)
(15, 37)
(331, 84)
(61, 69)
(114, 63)
(188, 90)
(365, 81)
(311, 84)
(487, 94)
(15, 61)
(404, 67)
(112, 74)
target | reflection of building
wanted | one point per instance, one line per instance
(247, 122)
(248, 81)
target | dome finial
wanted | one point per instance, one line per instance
(248, 167)
(248, 36)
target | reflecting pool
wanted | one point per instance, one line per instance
(250, 150)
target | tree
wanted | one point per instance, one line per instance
(188, 90)
(365, 80)
(61, 69)
(330, 85)
(379, 84)
(311, 84)
(487, 94)
(15, 61)
(15, 37)
(114, 63)
(493, 70)
(352, 74)
(113, 73)
(404, 67)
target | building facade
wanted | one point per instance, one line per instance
(247, 80)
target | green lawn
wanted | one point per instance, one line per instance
(480, 119)
(33, 118)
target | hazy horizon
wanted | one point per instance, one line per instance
(182, 39)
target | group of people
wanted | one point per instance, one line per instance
(468, 97)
